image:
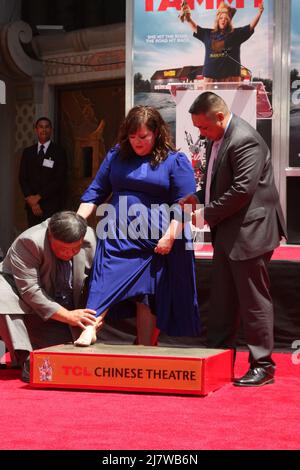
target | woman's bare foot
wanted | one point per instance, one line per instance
(87, 337)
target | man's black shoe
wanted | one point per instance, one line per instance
(26, 371)
(256, 377)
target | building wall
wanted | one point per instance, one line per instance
(10, 10)
(73, 14)
(82, 58)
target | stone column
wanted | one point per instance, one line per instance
(16, 70)
(7, 124)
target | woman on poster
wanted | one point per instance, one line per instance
(155, 270)
(222, 61)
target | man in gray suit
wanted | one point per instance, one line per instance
(241, 206)
(42, 284)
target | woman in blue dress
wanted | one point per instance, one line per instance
(144, 251)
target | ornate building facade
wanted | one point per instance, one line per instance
(66, 62)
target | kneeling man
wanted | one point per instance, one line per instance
(42, 285)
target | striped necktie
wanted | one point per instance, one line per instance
(41, 151)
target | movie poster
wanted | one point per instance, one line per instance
(295, 87)
(168, 59)
(165, 50)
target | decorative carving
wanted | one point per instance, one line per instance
(80, 41)
(24, 131)
(99, 61)
(109, 37)
(12, 37)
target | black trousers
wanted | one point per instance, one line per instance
(45, 334)
(33, 219)
(240, 292)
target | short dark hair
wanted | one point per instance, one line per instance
(208, 102)
(67, 226)
(43, 118)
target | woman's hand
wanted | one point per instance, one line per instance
(261, 7)
(185, 12)
(164, 245)
(257, 17)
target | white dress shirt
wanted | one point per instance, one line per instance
(45, 145)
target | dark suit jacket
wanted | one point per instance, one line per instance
(48, 182)
(244, 213)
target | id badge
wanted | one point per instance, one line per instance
(48, 163)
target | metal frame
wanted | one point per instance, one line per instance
(281, 94)
(287, 171)
(129, 56)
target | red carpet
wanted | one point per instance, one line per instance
(231, 418)
(283, 252)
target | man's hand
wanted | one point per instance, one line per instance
(198, 219)
(37, 211)
(189, 203)
(83, 317)
(33, 199)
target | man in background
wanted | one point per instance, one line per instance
(43, 175)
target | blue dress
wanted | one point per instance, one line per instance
(125, 266)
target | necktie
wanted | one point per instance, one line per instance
(41, 151)
(211, 164)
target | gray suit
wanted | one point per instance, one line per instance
(246, 223)
(27, 289)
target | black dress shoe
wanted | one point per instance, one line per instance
(26, 371)
(256, 377)
(21, 356)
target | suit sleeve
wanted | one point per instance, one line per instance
(23, 176)
(57, 182)
(247, 161)
(25, 264)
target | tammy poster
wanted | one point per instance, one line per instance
(164, 50)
